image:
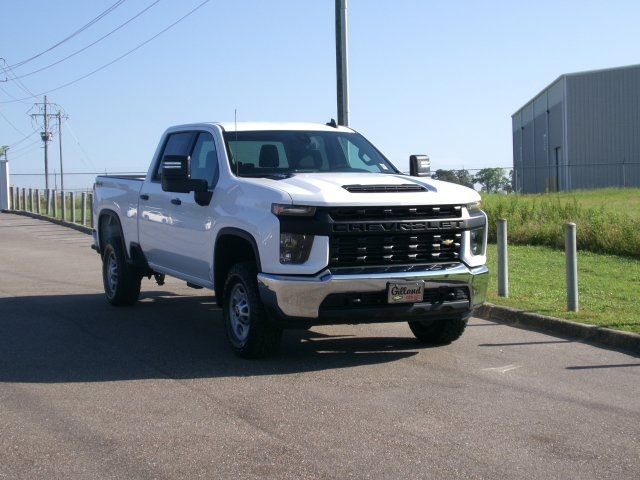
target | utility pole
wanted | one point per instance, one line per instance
(47, 113)
(60, 142)
(45, 136)
(342, 66)
(45, 139)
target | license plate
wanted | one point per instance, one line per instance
(405, 292)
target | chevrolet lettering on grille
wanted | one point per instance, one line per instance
(395, 226)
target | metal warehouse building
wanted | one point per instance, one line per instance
(582, 131)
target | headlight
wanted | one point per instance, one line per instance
(295, 247)
(477, 241)
(292, 210)
(474, 207)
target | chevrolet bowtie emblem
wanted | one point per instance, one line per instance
(446, 243)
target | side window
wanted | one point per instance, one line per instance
(176, 144)
(204, 160)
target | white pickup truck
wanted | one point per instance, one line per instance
(294, 225)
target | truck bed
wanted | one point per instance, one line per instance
(120, 193)
(136, 177)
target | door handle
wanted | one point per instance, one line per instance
(176, 201)
(144, 196)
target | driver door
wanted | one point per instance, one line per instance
(176, 232)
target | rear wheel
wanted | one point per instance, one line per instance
(439, 332)
(121, 281)
(249, 330)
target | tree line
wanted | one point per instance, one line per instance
(489, 179)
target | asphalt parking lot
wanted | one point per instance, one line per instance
(92, 391)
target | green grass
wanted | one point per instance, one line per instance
(608, 220)
(78, 207)
(609, 286)
(613, 200)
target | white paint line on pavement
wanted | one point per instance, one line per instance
(505, 369)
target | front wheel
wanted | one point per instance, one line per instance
(439, 332)
(121, 282)
(249, 330)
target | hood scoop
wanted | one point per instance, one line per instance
(402, 188)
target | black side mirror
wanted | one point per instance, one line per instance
(419, 166)
(175, 175)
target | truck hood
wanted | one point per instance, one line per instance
(327, 189)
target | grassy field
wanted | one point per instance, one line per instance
(68, 216)
(608, 220)
(608, 286)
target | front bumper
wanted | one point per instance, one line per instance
(298, 299)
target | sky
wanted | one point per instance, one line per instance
(426, 77)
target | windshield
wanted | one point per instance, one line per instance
(282, 152)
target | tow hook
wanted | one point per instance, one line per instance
(159, 278)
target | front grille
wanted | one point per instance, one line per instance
(407, 187)
(374, 299)
(362, 250)
(395, 213)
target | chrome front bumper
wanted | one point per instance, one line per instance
(300, 296)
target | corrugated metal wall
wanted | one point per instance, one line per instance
(583, 131)
(538, 136)
(557, 173)
(517, 152)
(604, 125)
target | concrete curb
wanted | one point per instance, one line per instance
(599, 336)
(57, 221)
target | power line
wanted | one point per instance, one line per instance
(15, 99)
(24, 148)
(12, 77)
(26, 137)
(115, 59)
(23, 153)
(82, 173)
(84, 152)
(87, 46)
(11, 123)
(80, 30)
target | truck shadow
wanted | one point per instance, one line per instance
(80, 338)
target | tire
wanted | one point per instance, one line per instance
(250, 332)
(439, 332)
(121, 282)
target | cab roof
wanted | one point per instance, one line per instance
(253, 126)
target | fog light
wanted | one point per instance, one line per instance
(477, 241)
(295, 247)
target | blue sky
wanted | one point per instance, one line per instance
(441, 78)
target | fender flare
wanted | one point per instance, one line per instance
(113, 216)
(237, 232)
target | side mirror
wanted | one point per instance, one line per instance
(419, 166)
(175, 175)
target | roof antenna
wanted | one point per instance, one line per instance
(235, 147)
(332, 123)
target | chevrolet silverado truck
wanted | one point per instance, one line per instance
(294, 225)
